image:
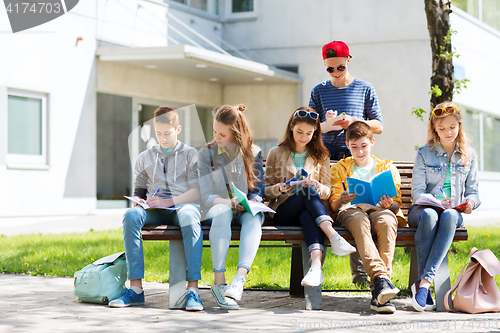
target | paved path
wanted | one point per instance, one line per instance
(47, 304)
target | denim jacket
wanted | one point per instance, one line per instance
(430, 170)
(214, 172)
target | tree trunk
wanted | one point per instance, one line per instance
(438, 24)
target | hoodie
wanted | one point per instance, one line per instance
(173, 174)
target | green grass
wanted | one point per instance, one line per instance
(62, 255)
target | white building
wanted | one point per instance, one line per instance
(73, 89)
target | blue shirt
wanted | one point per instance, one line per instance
(358, 100)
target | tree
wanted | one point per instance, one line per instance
(438, 24)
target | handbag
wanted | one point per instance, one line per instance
(476, 289)
(103, 280)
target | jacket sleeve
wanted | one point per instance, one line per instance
(471, 183)
(418, 185)
(258, 191)
(325, 181)
(271, 184)
(141, 179)
(336, 182)
(192, 170)
(397, 181)
(207, 189)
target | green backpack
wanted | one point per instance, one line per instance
(103, 280)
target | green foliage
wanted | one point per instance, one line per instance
(62, 255)
(436, 91)
(458, 85)
(443, 54)
(419, 113)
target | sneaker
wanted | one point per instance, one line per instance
(384, 290)
(429, 304)
(193, 301)
(387, 307)
(128, 297)
(419, 296)
(235, 290)
(314, 277)
(224, 303)
(341, 247)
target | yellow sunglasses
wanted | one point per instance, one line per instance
(438, 112)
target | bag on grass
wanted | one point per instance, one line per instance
(476, 289)
(103, 280)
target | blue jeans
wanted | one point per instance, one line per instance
(220, 236)
(187, 217)
(337, 152)
(434, 235)
(305, 208)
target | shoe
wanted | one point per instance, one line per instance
(341, 247)
(235, 290)
(384, 290)
(361, 282)
(419, 296)
(128, 297)
(193, 301)
(314, 277)
(388, 307)
(224, 303)
(429, 304)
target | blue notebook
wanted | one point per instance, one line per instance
(370, 192)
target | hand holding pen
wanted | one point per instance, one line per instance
(446, 201)
(345, 196)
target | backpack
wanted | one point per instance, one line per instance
(103, 280)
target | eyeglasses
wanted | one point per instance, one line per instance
(340, 68)
(449, 110)
(304, 113)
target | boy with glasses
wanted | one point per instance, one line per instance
(343, 93)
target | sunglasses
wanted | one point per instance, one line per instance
(441, 111)
(340, 68)
(304, 113)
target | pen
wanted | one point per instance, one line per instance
(284, 180)
(343, 184)
(158, 190)
(443, 192)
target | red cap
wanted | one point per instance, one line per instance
(340, 50)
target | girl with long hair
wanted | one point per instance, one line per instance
(231, 158)
(445, 168)
(301, 148)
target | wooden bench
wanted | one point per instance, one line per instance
(300, 260)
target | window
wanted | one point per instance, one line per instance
(209, 6)
(26, 128)
(484, 133)
(242, 6)
(487, 11)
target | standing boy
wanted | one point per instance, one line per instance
(165, 176)
(362, 219)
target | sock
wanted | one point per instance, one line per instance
(193, 289)
(137, 290)
(335, 237)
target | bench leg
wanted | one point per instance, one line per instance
(413, 268)
(177, 273)
(313, 294)
(296, 272)
(442, 284)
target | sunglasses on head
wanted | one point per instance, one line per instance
(438, 112)
(340, 68)
(304, 113)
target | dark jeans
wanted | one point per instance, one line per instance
(337, 152)
(305, 208)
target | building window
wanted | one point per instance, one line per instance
(209, 6)
(484, 133)
(26, 128)
(487, 11)
(242, 6)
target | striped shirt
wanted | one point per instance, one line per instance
(358, 100)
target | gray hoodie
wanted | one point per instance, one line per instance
(173, 174)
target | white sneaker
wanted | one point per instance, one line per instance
(341, 247)
(235, 290)
(225, 303)
(314, 277)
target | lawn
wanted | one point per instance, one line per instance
(62, 255)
